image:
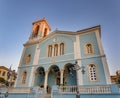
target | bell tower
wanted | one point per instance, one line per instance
(40, 29)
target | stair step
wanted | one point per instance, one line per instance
(47, 96)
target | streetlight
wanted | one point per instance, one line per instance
(76, 67)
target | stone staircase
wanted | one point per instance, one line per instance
(47, 96)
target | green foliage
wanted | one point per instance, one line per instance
(3, 81)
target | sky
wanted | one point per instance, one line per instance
(16, 17)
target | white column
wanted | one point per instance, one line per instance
(104, 61)
(46, 79)
(77, 55)
(61, 76)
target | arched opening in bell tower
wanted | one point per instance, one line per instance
(45, 32)
(35, 31)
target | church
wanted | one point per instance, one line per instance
(65, 63)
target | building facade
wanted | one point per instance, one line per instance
(115, 79)
(4, 74)
(50, 58)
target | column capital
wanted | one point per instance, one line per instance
(61, 70)
(46, 71)
(35, 72)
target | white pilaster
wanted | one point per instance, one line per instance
(31, 77)
(16, 79)
(21, 59)
(99, 42)
(37, 53)
(79, 75)
(77, 55)
(104, 61)
(106, 70)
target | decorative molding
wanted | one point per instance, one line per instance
(53, 59)
(68, 60)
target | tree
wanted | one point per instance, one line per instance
(3, 81)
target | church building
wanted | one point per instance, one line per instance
(63, 58)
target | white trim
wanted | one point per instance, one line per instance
(36, 57)
(106, 70)
(77, 53)
(96, 72)
(21, 59)
(79, 75)
(104, 61)
(99, 42)
(31, 77)
(16, 82)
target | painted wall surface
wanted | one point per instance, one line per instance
(89, 38)
(29, 50)
(67, 40)
(94, 58)
(100, 72)
(19, 78)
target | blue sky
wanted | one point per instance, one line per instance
(16, 17)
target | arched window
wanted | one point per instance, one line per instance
(92, 72)
(28, 58)
(49, 50)
(62, 49)
(24, 76)
(89, 48)
(56, 50)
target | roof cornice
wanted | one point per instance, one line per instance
(65, 32)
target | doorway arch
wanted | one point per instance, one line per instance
(53, 77)
(69, 75)
(39, 77)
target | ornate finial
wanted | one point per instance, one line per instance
(43, 17)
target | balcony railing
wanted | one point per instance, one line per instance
(85, 89)
(19, 90)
